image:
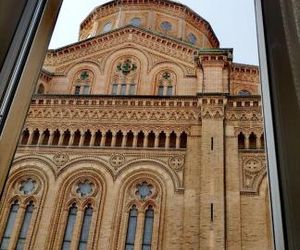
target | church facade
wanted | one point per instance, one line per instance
(142, 135)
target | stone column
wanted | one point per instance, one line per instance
(156, 141)
(113, 141)
(167, 140)
(258, 142)
(135, 139)
(247, 141)
(51, 136)
(93, 138)
(81, 141)
(146, 141)
(139, 230)
(178, 140)
(72, 136)
(29, 141)
(124, 140)
(61, 139)
(103, 139)
(40, 140)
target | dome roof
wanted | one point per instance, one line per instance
(182, 22)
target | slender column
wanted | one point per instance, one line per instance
(113, 141)
(72, 136)
(139, 230)
(103, 139)
(61, 139)
(81, 141)
(93, 138)
(258, 142)
(51, 136)
(146, 141)
(178, 140)
(246, 141)
(41, 137)
(156, 141)
(29, 142)
(124, 140)
(135, 140)
(167, 140)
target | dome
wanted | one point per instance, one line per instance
(164, 17)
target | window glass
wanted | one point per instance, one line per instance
(85, 228)
(9, 226)
(244, 93)
(69, 227)
(192, 38)
(25, 226)
(136, 21)
(148, 228)
(77, 90)
(123, 89)
(170, 90)
(166, 26)
(86, 90)
(131, 229)
(161, 90)
(107, 27)
(114, 89)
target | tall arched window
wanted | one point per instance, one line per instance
(165, 82)
(131, 228)
(125, 76)
(70, 227)
(148, 229)
(82, 83)
(141, 208)
(79, 211)
(41, 89)
(9, 225)
(20, 216)
(241, 141)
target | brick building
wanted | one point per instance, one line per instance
(142, 135)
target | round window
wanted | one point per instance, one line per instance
(192, 38)
(136, 21)
(107, 27)
(166, 26)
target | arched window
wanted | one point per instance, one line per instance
(241, 141)
(25, 226)
(83, 81)
(35, 137)
(46, 136)
(76, 139)
(119, 139)
(25, 137)
(162, 140)
(252, 141)
(192, 38)
(131, 228)
(129, 139)
(98, 138)
(148, 229)
(85, 229)
(136, 21)
(9, 225)
(87, 138)
(107, 27)
(183, 140)
(69, 227)
(67, 136)
(41, 89)
(108, 140)
(166, 26)
(140, 139)
(173, 138)
(56, 136)
(165, 82)
(151, 139)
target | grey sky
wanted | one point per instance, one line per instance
(232, 20)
